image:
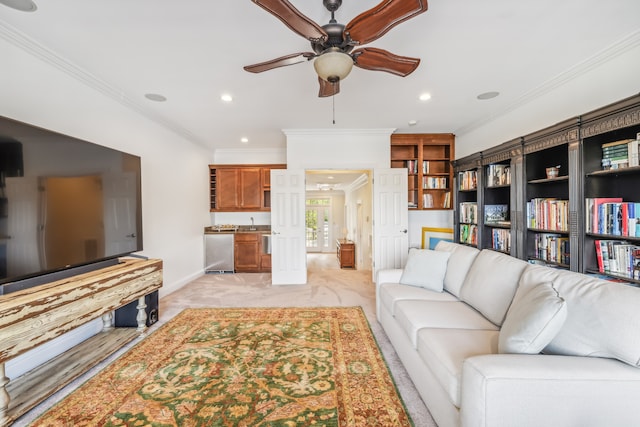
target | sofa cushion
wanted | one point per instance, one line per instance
(533, 320)
(390, 293)
(491, 283)
(444, 351)
(602, 317)
(458, 266)
(414, 315)
(425, 268)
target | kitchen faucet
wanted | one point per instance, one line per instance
(253, 227)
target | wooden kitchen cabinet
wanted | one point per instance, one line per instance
(247, 252)
(237, 188)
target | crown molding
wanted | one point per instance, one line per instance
(620, 47)
(37, 50)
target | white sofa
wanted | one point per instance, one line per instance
(473, 349)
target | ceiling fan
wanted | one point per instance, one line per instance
(333, 43)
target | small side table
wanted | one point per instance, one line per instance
(346, 252)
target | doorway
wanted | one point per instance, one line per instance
(317, 221)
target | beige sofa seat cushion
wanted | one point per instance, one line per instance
(390, 293)
(414, 315)
(445, 350)
(603, 318)
(460, 262)
(491, 284)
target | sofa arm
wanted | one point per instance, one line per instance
(388, 276)
(544, 390)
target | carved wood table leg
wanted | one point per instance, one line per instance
(5, 420)
(141, 318)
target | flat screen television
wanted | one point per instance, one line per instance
(65, 204)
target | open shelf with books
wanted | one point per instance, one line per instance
(611, 226)
(501, 165)
(468, 173)
(550, 159)
(427, 158)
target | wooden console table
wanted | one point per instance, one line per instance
(34, 316)
(346, 252)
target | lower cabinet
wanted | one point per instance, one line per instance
(248, 254)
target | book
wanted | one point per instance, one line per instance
(616, 143)
(496, 213)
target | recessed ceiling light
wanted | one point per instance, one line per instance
(488, 95)
(23, 5)
(413, 122)
(226, 97)
(244, 140)
(425, 97)
(330, 177)
(155, 97)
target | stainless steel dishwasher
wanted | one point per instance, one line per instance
(218, 253)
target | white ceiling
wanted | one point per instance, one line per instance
(193, 51)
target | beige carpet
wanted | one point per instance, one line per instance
(327, 286)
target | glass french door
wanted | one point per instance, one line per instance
(317, 225)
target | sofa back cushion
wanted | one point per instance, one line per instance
(491, 283)
(458, 266)
(603, 318)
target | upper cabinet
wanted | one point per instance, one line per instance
(427, 158)
(236, 188)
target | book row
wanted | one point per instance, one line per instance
(412, 166)
(498, 175)
(548, 214)
(618, 258)
(620, 154)
(468, 180)
(469, 234)
(501, 239)
(610, 215)
(469, 212)
(432, 182)
(552, 248)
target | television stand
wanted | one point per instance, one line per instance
(31, 317)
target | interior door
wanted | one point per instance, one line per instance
(120, 207)
(390, 219)
(288, 253)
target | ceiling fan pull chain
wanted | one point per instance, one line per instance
(333, 100)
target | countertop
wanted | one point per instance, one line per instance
(261, 229)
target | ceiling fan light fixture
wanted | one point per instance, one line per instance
(333, 66)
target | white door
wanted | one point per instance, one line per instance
(390, 219)
(288, 252)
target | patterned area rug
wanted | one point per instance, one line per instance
(243, 367)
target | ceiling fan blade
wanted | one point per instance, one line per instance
(328, 89)
(280, 62)
(294, 19)
(370, 58)
(375, 22)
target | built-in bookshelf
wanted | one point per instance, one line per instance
(500, 165)
(550, 171)
(468, 181)
(612, 191)
(571, 192)
(427, 158)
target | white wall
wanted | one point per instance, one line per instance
(600, 82)
(174, 170)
